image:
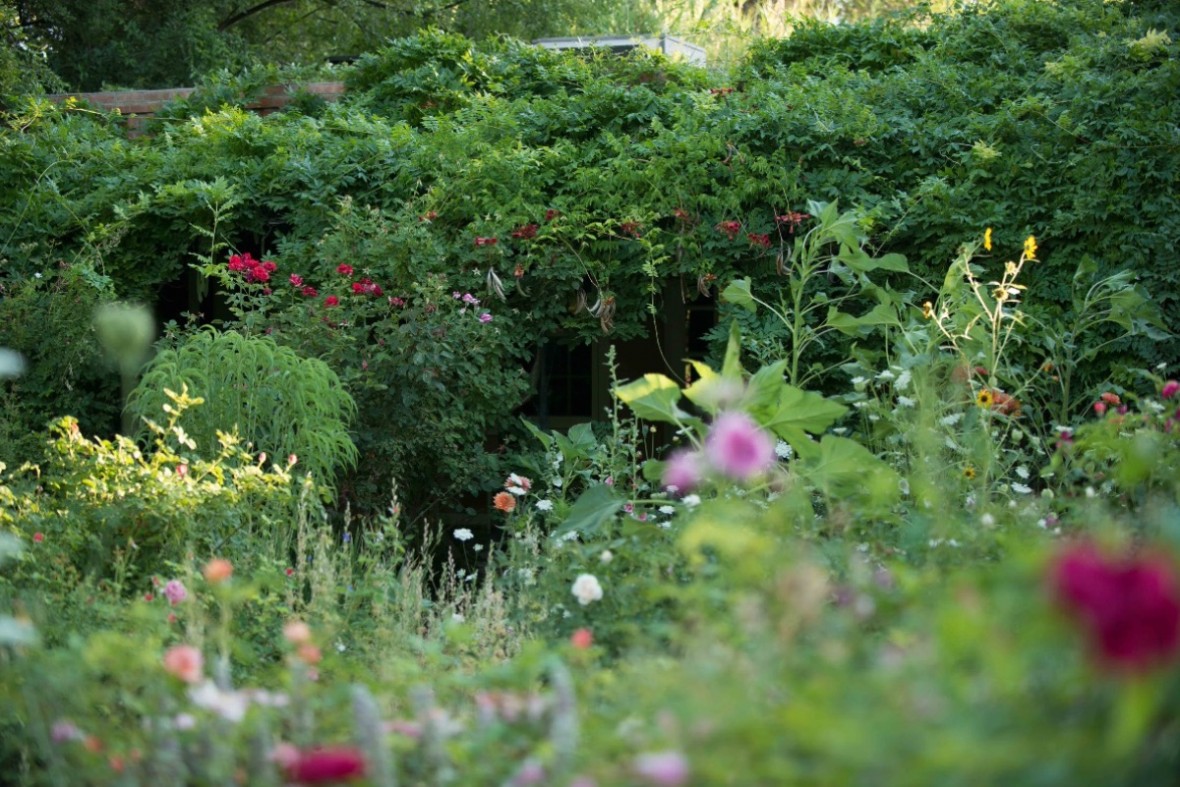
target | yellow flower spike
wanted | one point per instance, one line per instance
(928, 310)
(1030, 247)
(987, 239)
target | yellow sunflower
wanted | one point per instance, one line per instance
(985, 398)
(1030, 248)
(969, 472)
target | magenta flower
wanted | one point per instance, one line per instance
(1171, 388)
(320, 766)
(1129, 607)
(175, 592)
(682, 472)
(737, 447)
(663, 769)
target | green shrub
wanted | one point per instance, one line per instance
(276, 400)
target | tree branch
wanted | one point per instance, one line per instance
(232, 20)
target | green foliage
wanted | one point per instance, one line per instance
(278, 401)
(109, 510)
(47, 319)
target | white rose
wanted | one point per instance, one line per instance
(587, 589)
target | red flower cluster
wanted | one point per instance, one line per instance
(730, 228)
(525, 232)
(631, 228)
(309, 292)
(429, 215)
(366, 286)
(319, 766)
(255, 271)
(296, 280)
(481, 242)
(331, 301)
(344, 269)
(791, 220)
(759, 239)
(1129, 607)
(551, 214)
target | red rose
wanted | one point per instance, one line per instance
(344, 269)
(310, 292)
(331, 301)
(296, 280)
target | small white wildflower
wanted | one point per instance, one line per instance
(1022, 471)
(461, 573)
(886, 375)
(1153, 405)
(586, 589)
(905, 401)
(1011, 504)
(37, 275)
(526, 576)
(841, 430)
(987, 520)
(570, 536)
(969, 501)
(903, 381)
(783, 450)
(606, 556)
(519, 491)
(950, 420)
(1021, 489)
(544, 505)
(691, 500)
(1063, 429)
(872, 417)
(340, 646)
(665, 525)
(858, 381)
(557, 482)
(1090, 492)
(862, 404)
(463, 534)
(669, 510)
(953, 542)
(904, 486)
(1161, 366)
(478, 547)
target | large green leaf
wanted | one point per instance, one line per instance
(844, 467)
(653, 397)
(802, 411)
(881, 314)
(596, 505)
(738, 293)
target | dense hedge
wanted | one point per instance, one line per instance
(1057, 119)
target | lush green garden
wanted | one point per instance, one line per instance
(272, 510)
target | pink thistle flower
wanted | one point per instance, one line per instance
(682, 472)
(1100, 408)
(38, 538)
(1129, 607)
(485, 318)
(175, 592)
(739, 448)
(663, 769)
(184, 662)
(1170, 389)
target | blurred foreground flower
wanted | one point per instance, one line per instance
(184, 662)
(587, 589)
(321, 766)
(739, 448)
(1129, 606)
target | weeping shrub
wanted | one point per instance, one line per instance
(278, 400)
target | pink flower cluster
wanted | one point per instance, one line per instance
(1128, 606)
(736, 447)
